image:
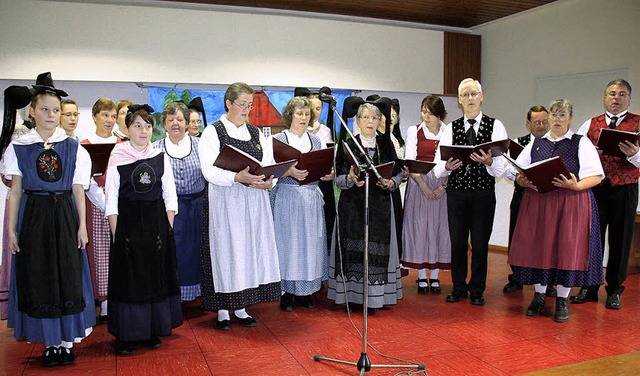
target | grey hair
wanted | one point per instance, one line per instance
(370, 107)
(561, 105)
(618, 81)
(173, 108)
(290, 108)
(467, 81)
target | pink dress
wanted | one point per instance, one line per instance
(425, 233)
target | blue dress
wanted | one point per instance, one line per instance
(188, 227)
(58, 305)
(298, 218)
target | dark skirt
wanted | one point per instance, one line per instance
(188, 230)
(139, 322)
(49, 264)
(144, 296)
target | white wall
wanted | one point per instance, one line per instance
(578, 38)
(154, 44)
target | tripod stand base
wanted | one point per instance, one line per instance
(364, 363)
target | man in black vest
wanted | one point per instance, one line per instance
(471, 199)
(537, 125)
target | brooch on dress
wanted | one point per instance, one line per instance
(145, 178)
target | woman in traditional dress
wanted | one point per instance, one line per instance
(557, 236)
(141, 202)
(182, 151)
(298, 214)
(426, 241)
(242, 268)
(50, 290)
(69, 118)
(105, 113)
(346, 260)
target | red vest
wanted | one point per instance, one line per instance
(618, 170)
(426, 148)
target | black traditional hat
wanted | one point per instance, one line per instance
(196, 104)
(44, 84)
(15, 98)
(136, 107)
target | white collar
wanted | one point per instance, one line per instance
(33, 137)
(567, 135)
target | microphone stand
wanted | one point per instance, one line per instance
(364, 363)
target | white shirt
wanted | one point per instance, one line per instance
(301, 143)
(179, 150)
(112, 189)
(95, 139)
(499, 165)
(411, 145)
(209, 148)
(82, 172)
(587, 155)
(324, 133)
(584, 129)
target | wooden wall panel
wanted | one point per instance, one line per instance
(462, 59)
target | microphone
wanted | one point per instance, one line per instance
(326, 98)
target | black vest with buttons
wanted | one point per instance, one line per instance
(474, 175)
(523, 141)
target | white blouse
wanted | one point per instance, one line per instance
(209, 148)
(411, 144)
(112, 189)
(587, 155)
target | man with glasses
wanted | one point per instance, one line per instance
(538, 125)
(471, 199)
(617, 195)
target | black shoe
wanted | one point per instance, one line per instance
(66, 356)
(511, 287)
(223, 325)
(305, 301)
(434, 289)
(248, 321)
(126, 348)
(103, 319)
(536, 307)
(584, 295)
(456, 296)
(613, 301)
(286, 302)
(552, 292)
(562, 310)
(153, 343)
(51, 357)
(477, 299)
(424, 289)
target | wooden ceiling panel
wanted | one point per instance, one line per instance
(453, 13)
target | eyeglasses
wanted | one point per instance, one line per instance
(195, 122)
(473, 94)
(541, 122)
(70, 114)
(621, 94)
(245, 106)
(560, 116)
(367, 118)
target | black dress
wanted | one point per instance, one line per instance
(144, 295)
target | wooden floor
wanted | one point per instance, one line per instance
(449, 339)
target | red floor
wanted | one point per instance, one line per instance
(450, 339)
